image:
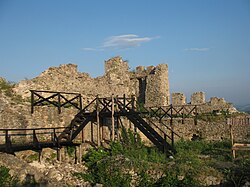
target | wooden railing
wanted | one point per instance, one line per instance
(28, 137)
(57, 99)
(238, 146)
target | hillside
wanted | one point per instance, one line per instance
(244, 108)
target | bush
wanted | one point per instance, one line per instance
(6, 88)
(238, 176)
(94, 156)
(171, 179)
(5, 178)
(111, 167)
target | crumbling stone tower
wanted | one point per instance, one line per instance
(157, 87)
(150, 85)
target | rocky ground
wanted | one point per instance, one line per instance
(49, 172)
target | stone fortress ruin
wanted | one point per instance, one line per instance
(150, 85)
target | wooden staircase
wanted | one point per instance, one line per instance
(83, 118)
(77, 124)
(112, 107)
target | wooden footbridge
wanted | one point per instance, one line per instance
(150, 121)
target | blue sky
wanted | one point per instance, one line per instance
(206, 43)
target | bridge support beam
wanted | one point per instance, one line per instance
(59, 154)
(78, 154)
(98, 122)
(40, 156)
(112, 118)
(92, 132)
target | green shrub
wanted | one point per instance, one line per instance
(94, 156)
(145, 180)
(111, 167)
(172, 179)
(71, 151)
(6, 88)
(108, 173)
(5, 178)
(240, 174)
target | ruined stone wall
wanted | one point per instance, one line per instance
(209, 130)
(178, 99)
(215, 104)
(149, 85)
(198, 98)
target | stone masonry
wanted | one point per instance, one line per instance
(215, 104)
(198, 98)
(149, 85)
(178, 99)
(157, 87)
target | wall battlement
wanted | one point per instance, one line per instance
(198, 98)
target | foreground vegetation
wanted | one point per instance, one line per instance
(5, 178)
(131, 163)
(197, 163)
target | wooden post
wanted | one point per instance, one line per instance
(76, 155)
(135, 133)
(230, 123)
(118, 127)
(98, 121)
(80, 154)
(124, 101)
(112, 117)
(165, 140)
(133, 102)
(34, 136)
(172, 126)
(6, 137)
(59, 156)
(53, 136)
(102, 130)
(32, 101)
(182, 114)
(59, 103)
(92, 132)
(83, 138)
(40, 156)
(195, 118)
(80, 101)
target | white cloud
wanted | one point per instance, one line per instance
(88, 49)
(125, 41)
(120, 42)
(91, 49)
(197, 49)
